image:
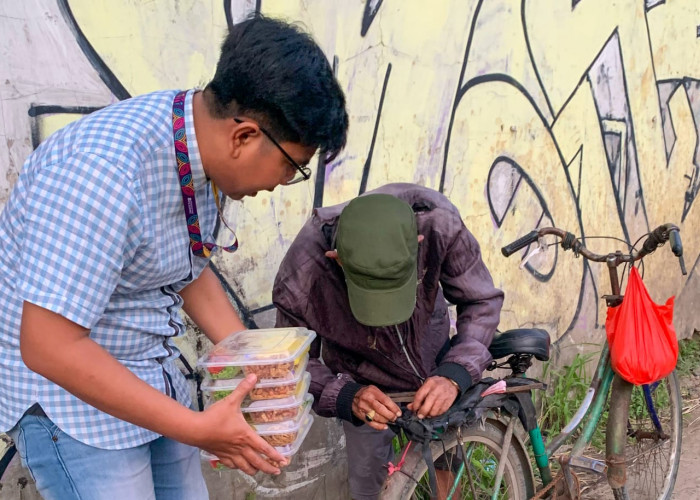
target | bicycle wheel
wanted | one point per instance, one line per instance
(483, 452)
(653, 449)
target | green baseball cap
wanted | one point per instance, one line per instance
(377, 243)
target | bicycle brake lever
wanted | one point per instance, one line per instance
(541, 248)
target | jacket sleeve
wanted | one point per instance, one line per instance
(333, 394)
(467, 283)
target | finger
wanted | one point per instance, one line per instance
(382, 413)
(242, 464)
(261, 446)
(420, 396)
(388, 403)
(439, 407)
(228, 463)
(256, 460)
(427, 405)
(378, 426)
(242, 390)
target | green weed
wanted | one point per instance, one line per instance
(688, 356)
(566, 388)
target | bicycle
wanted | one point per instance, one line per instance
(478, 441)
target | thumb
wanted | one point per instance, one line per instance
(242, 390)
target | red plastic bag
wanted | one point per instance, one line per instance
(643, 343)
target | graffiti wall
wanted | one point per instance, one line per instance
(584, 114)
(581, 114)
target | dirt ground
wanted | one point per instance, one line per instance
(688, 482)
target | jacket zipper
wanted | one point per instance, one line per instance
(403, 347)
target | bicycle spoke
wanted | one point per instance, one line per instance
(653, 430)
(471, 480)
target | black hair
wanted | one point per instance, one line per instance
(275, 73)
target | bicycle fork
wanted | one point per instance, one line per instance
(616, 437)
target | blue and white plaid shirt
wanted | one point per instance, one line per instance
(95, 231)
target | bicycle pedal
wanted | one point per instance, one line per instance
(589, 463)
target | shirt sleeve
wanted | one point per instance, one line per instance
(80, 230)
(467, 283)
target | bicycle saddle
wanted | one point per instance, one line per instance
(534, 341)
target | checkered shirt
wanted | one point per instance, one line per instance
(95, 231)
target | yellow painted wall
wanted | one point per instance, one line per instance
(585, 116)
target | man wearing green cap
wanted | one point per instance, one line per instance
(371, 277)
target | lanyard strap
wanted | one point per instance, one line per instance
(199, 248)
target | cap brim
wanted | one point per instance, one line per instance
(383, 307)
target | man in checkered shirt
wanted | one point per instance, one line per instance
(99, 257)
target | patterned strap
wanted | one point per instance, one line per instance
(199, 248)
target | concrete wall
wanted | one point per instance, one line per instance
(583, 114)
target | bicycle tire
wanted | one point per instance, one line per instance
(517, 477)
(652, 465)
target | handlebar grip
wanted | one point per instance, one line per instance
(677, 248)
(522, 242)
(676, 245)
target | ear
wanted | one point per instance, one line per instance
(420, 238)
(242, 135)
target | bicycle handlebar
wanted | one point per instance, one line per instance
(658, 237)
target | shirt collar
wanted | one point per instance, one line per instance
(199, 178)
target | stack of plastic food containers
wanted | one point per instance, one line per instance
(278, 406)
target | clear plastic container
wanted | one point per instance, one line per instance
(214, 390)
(274, 410)
(273, 353)
(286, 451)
(280, 434)
(277, 410)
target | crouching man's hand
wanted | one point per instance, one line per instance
(434, 397)
(374, 407)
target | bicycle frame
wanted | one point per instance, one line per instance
(591, 408)
(593, 404)
(601, 385)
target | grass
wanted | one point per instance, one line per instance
(566, 389)
(688, 356)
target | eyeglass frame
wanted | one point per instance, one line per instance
(302, 169)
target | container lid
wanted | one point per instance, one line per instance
(285, 451)
(292, 425)
(212, 385)
(259, 347)
(284, 403)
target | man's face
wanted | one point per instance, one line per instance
(257, 162)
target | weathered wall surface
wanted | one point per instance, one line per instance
(583, 114)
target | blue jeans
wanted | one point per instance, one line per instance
(66, 469)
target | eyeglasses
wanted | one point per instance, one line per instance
(303, 172)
